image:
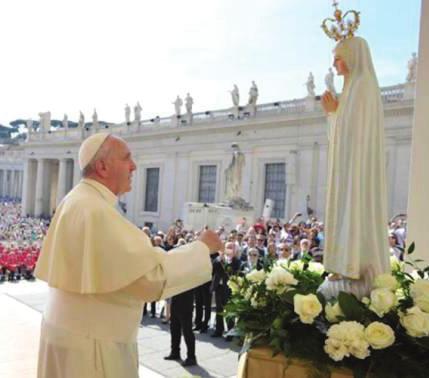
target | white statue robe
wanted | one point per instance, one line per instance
(356, 208)
(101, 269)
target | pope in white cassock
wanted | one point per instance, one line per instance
(356, 247)
(101, 268)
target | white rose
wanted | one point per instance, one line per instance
(258, 302)
(232, 284)
(386, 281)
(316, 267)
(332, 312)
(296, 265)
(382, 301)
(422, 302)
(256, 276)
(307, 307)
(336, 349)
(415, 322)
(420, 287)
(365, 301)
(248, 294)
(379, 335)
(346, 338)
(395, 263)
(279, 280)
(359, 348)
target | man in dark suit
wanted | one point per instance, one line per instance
(181, 322)
(225, 265)
(203, 303)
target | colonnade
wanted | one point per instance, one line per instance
(11, 183)
(45, 183)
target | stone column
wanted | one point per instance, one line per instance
(1, 181)
(61, 191)
(13, 180)
(39, 207)
(7, 183)
(418, 204)
(20, 181)
(28, 188)
(76, 172)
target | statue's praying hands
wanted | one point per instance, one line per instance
(329, 102)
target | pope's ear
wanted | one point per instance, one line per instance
(101, 167)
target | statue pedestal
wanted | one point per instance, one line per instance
(251, 108)
(259, 362)
(310, 104)
(409, 90)
(196, 215)
(235, 111)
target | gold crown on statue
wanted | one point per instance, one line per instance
(340, 27)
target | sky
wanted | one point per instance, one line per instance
(66, 56)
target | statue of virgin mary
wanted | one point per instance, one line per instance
(356, 248)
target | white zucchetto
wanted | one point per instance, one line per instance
(90, 147)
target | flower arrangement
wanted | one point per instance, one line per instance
(384, 335)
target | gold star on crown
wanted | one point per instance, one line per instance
(339, 27)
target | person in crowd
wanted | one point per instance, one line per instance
(395, 248)
(253, 262)
(225, 265)
(304, 249)
(284, 252)
(260, 245)
(181, 323)
(271, 253)
(251, 243)
(260, 227)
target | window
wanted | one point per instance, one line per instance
(151, 192)
(207, 184)
(275, 187)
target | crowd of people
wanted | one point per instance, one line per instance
(20, 242)
(247, 247)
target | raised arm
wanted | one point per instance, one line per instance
(179, 270)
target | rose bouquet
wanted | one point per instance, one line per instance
(383, 335)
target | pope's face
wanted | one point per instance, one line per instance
(121, 167)
(340, 65)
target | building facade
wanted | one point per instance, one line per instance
(183, 159)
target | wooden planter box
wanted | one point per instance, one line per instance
(259, 363)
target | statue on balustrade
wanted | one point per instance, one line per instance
(235, 96)
(253, 94)
(329, 82)
(65, 122)
(189, 101)
(95, 123)
(310, 85)
(178, 102)
(81, 123)
(138, 113)
(412, 69)
(30, 129)
(45, 122)
(127, 114)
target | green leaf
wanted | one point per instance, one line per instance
(352, 308)
(321, 299)
(411, 248)
(288, 296)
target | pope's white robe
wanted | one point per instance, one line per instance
(356, 208)
(100, 269)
